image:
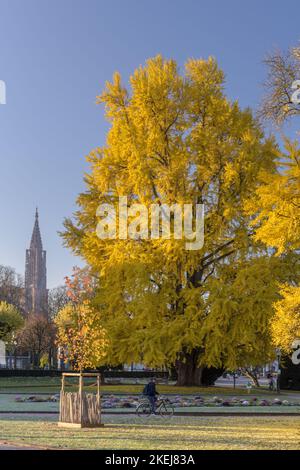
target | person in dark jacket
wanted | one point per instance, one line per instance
(151, 393)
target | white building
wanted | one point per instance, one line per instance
(2, 354)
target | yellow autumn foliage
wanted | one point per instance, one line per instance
(80, 332)
(175, 138)
(286, 323)
(277, 203)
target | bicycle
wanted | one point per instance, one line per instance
(164, 408)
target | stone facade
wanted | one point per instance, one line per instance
(36, 293)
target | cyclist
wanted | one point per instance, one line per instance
(151, 392)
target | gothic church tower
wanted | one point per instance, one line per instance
(36, 293)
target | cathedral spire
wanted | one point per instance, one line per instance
(36, 239)
(36, 273)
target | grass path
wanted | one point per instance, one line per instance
(121, 432)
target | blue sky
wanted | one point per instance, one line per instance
(55, 56)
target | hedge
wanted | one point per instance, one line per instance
(139, 374)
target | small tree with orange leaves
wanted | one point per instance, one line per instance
(79, 324)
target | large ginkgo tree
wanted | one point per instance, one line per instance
(175, 137)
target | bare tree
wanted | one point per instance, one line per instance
(37, 337)
(283, 70)
(11, 287)
(57, 299)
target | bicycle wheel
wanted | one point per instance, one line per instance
(143, 410)
(166, 410)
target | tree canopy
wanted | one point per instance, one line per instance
(275, 205)
(37, 337)
(10, 321)
(79, 327)
(11, 287)
(281, 101)
(176, 138)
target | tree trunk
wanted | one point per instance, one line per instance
(36, 360)
(252, 375)
(188, 372)
(15, 359)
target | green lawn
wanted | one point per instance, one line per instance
(122, 432)
(52, 385)
(8, 403)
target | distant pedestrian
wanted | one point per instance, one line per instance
(271, 382)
